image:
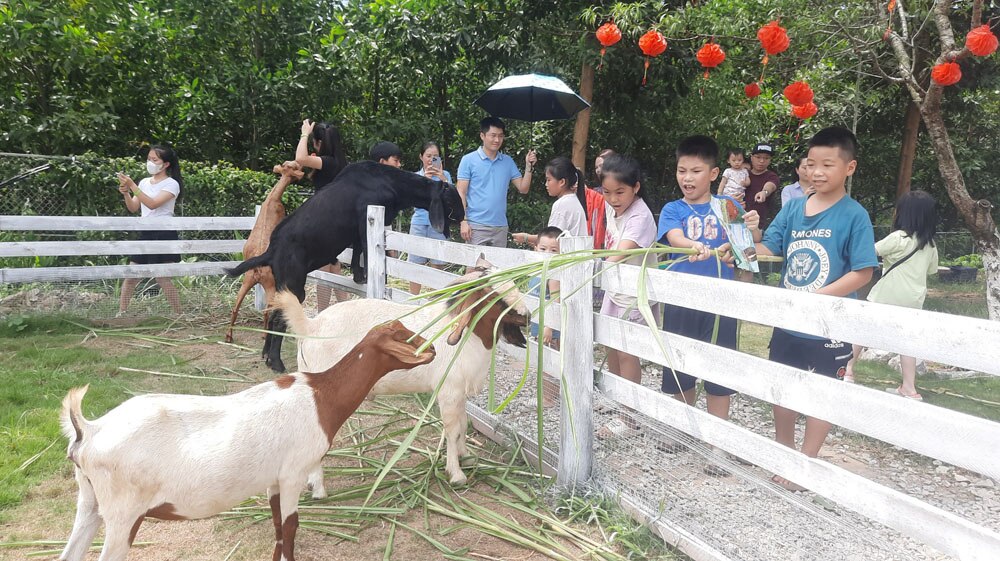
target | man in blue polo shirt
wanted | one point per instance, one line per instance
(483, 180)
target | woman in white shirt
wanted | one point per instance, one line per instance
(569, 213)
(154, 196)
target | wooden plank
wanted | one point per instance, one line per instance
(490, 426)
(426, 276)
(460, 253)
(56, 274)
(375, 253)
(950, 436)
(124, 223)
(576, 412)
(671, 534)
(338, 281)
(943, 530)
(119, 247)
(945, 338)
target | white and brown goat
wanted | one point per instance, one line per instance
(328, 336)
(178, 457)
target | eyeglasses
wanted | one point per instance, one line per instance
(495, 136)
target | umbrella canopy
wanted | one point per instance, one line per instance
(531, 97)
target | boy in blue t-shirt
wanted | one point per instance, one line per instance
(829, 248)
(690, 223)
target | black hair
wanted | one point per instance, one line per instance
(550, 232)
(330, 144)
(383, 150)
(485, 124)
(837, 137)
(916, 214)
(623, 168)
(701, 147)
(429, 144)
(167, 154)
(563, 168)
(736, 152)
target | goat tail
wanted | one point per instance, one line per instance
(293, 313)
(261, 260)
(74, 425)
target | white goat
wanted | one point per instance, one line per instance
(327, 337)
(178, 457)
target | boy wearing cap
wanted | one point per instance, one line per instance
(763, 183)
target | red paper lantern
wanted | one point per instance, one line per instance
(946, 73)
(710, 55)
(798, 93)
(805, 110)
(981, 41)
(773, 38)
(752, 90)
(652, 44)
(607, 34)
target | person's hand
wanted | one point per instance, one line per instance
(125, 183)
(761, 196)
(307, 127)
(739, 197)
(725, 253)
(746, 181)
(547, 336)
(530, 160)
(809, 190)
(703, 252)
(435, 171)
(752, 220)
(466, 231)
(519, 237)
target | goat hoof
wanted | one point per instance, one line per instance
(229, 338)
(277, 366)
(319, 493)
(458, 479)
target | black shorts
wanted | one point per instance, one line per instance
(822, 356)
(152, 259)
(698, 325)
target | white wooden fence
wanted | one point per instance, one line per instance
(952, 437)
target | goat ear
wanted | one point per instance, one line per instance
(438, 218)
(464, 319)
(482, 263)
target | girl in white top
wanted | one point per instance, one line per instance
(154, 196)
(908, 256)
(569, 213)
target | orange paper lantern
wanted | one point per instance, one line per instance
(773, 38)
(981, 41)
(946, 73)
(798, 93)
(804, 111)
(607, 34)
(710, 55)
(652, 44)
(752, 90)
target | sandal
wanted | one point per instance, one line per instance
(898, 391)
(849, 378)
(786, 484)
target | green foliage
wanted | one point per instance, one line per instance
(971, 260)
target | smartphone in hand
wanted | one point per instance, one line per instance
(436, 162)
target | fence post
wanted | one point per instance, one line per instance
(576, 412)
(376, 253)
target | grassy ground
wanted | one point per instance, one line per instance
(979, 396)
(44, 356)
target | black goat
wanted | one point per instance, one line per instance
(334, 219)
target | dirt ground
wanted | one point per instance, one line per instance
(47, 512)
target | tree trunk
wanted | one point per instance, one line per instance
(582, 129)
(908, 150)
(975, 214)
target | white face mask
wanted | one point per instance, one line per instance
(152, 167)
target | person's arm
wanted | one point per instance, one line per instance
(125, 185)
(302, 156)
(769, 188)
(623, 246)
(848, 283)
(524, 237)
(462, 186)
(722, 184)
(676, 238)
(523, 185)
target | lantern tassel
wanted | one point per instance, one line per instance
(645, 70)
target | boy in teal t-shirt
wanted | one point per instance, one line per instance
(829, 248)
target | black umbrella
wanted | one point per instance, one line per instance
(531, 97)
